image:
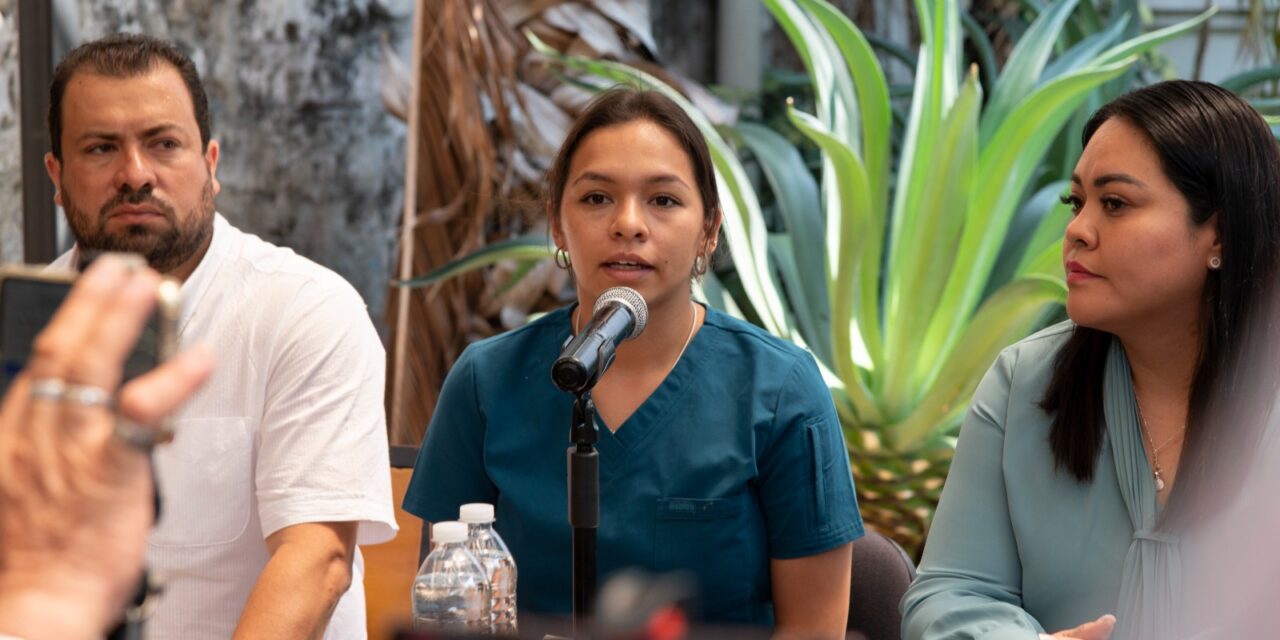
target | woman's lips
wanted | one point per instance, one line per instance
(1077, 272)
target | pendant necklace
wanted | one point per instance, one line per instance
(1155, 451)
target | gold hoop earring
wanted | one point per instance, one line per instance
(561, 258)
(1215, 263)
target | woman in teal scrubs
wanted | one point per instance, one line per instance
(720, 450)
(1094, 449)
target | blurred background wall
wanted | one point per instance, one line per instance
(10, 157)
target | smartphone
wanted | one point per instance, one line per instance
(29, 296)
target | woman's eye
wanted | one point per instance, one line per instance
(1072, 201)
(666, 202)
(1112, 204)
(594, 199)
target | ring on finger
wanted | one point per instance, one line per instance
(54, 389)
(138, 437)
(88, 396)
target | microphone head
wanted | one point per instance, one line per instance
(629, 298)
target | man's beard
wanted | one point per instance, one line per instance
(164, 250)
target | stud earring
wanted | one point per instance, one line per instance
(1215, 263)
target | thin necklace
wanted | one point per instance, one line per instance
(1155, 451)
(693, 324)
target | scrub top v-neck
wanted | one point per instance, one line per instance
(735, 458)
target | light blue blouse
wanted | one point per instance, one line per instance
(1018, 546)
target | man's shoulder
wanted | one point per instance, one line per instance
(273, 272)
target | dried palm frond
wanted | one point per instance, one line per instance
(460, 126)
(490, 116)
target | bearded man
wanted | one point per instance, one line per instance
(280, 466)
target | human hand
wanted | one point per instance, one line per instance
(1099, 629)
(76, 499)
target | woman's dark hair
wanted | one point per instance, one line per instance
(1222, 157)
(621, 105)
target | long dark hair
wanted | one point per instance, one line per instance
(1222, 157)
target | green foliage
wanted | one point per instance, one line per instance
(907, 273)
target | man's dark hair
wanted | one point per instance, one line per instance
(124, 55)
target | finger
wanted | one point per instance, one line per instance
(150, 398)
(58, 344)
(1099, 629)
(115, 333)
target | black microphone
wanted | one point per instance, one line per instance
(620, 314)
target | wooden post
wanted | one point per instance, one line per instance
(400, 333)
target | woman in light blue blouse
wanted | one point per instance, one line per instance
(1093, 448)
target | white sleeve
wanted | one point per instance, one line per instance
(323, 453)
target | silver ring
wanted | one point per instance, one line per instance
(54, 389)
(88, 396)
(139, 437)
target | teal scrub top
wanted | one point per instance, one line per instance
(1018, 546)
(737, 457)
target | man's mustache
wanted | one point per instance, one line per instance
(137, 198)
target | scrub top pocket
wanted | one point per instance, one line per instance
(720, 539)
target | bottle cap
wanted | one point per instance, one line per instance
(445, 532)
(476, 513)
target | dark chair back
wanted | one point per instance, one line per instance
(882, 571)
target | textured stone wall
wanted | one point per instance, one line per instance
(310, 159)
(10, 137)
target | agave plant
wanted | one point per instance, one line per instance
(887, 269)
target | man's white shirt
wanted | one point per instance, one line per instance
(290, 429)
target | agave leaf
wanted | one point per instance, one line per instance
(1147, 41)
(876, 117)
(936, 84)
(946, 187)
(833, 90)
(1047, 234)
(848, 323)
(1004, 318)
(745, 231)
(894, 50)
(1018, 240)
(982, 45)
(1242, 82)
(1022, 72)
(1048, 263)
(1086, 50)
(798, 201)
(523, 248)
(1005, 167)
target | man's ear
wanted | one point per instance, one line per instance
(211, 161)
(54, 168)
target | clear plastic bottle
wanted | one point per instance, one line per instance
(451, 592)
(492, 552)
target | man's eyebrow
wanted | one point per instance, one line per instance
(110, 136)
(159, 129)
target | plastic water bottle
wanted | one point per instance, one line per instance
(492, 552)
(451, 592)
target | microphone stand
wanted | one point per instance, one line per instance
(584, 506)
